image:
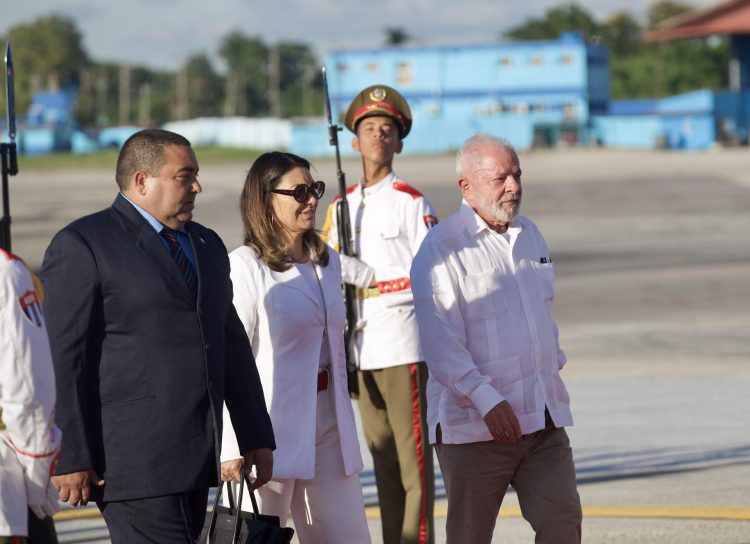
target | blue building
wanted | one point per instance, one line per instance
(531, 93)
(690, 122)
(48, 124)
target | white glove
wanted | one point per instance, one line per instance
(41, 495)
(49, 506)
(356, 271)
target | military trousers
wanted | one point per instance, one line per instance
(393, 407)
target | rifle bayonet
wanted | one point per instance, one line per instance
(10, 96)
(8, 151)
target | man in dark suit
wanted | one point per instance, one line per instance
(147, 347)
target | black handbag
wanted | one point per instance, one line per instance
(234, 526)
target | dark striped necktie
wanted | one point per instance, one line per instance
(183, 263)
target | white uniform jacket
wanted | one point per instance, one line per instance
(29, 441)
(389, 220)
(484, 310)
(284, 321)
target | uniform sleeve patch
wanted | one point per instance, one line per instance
(406, 188)
(31, 307)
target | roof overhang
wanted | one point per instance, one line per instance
(731, 17)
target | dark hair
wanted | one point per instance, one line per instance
(144, 150)
(258, 216)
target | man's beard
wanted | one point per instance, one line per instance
(500, 213)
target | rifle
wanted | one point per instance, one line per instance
(345, 247)
(8, 151)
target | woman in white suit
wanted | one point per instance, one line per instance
(287, 292)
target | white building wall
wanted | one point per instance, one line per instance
(241, 132)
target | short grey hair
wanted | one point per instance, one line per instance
(478, 140)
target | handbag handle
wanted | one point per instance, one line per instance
(214, 511)
(237, 517)
(244, 482)
(235, 511)
(249, 485)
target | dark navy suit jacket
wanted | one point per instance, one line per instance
(142, 367)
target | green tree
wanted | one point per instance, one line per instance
(564, 18)
(622, 34)
(205, 88)
(685, 65)
(301, 83)
(396, 35)
(247, 81)
(639, 70)
(48, 54)
(153, 95)
(661, 10)
(97, 98)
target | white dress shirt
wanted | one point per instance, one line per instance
(483, 306)
(389, 220)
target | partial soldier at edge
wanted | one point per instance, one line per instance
(29, 440)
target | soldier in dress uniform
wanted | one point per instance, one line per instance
(389, 220)
(29, 441)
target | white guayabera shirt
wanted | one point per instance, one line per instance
(483, 304)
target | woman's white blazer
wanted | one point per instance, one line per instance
(284, 321)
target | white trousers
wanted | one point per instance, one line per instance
(13, 506)
(328, 508)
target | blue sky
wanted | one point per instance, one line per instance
(163, 33)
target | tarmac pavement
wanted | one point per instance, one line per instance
(652, 255)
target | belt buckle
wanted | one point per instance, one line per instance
(367, 292)
(324, 378)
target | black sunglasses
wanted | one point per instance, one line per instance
(302, 192)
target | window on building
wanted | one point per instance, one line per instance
(569, 112)
(506, 61)
(536, 60)
(342, 67)
(404, 73)
(373, 67)
(432, 109)
(567, 59)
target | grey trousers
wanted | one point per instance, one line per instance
(540, 469)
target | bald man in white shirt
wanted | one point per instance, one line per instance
(483, 285)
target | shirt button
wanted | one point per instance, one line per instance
(208, 347)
